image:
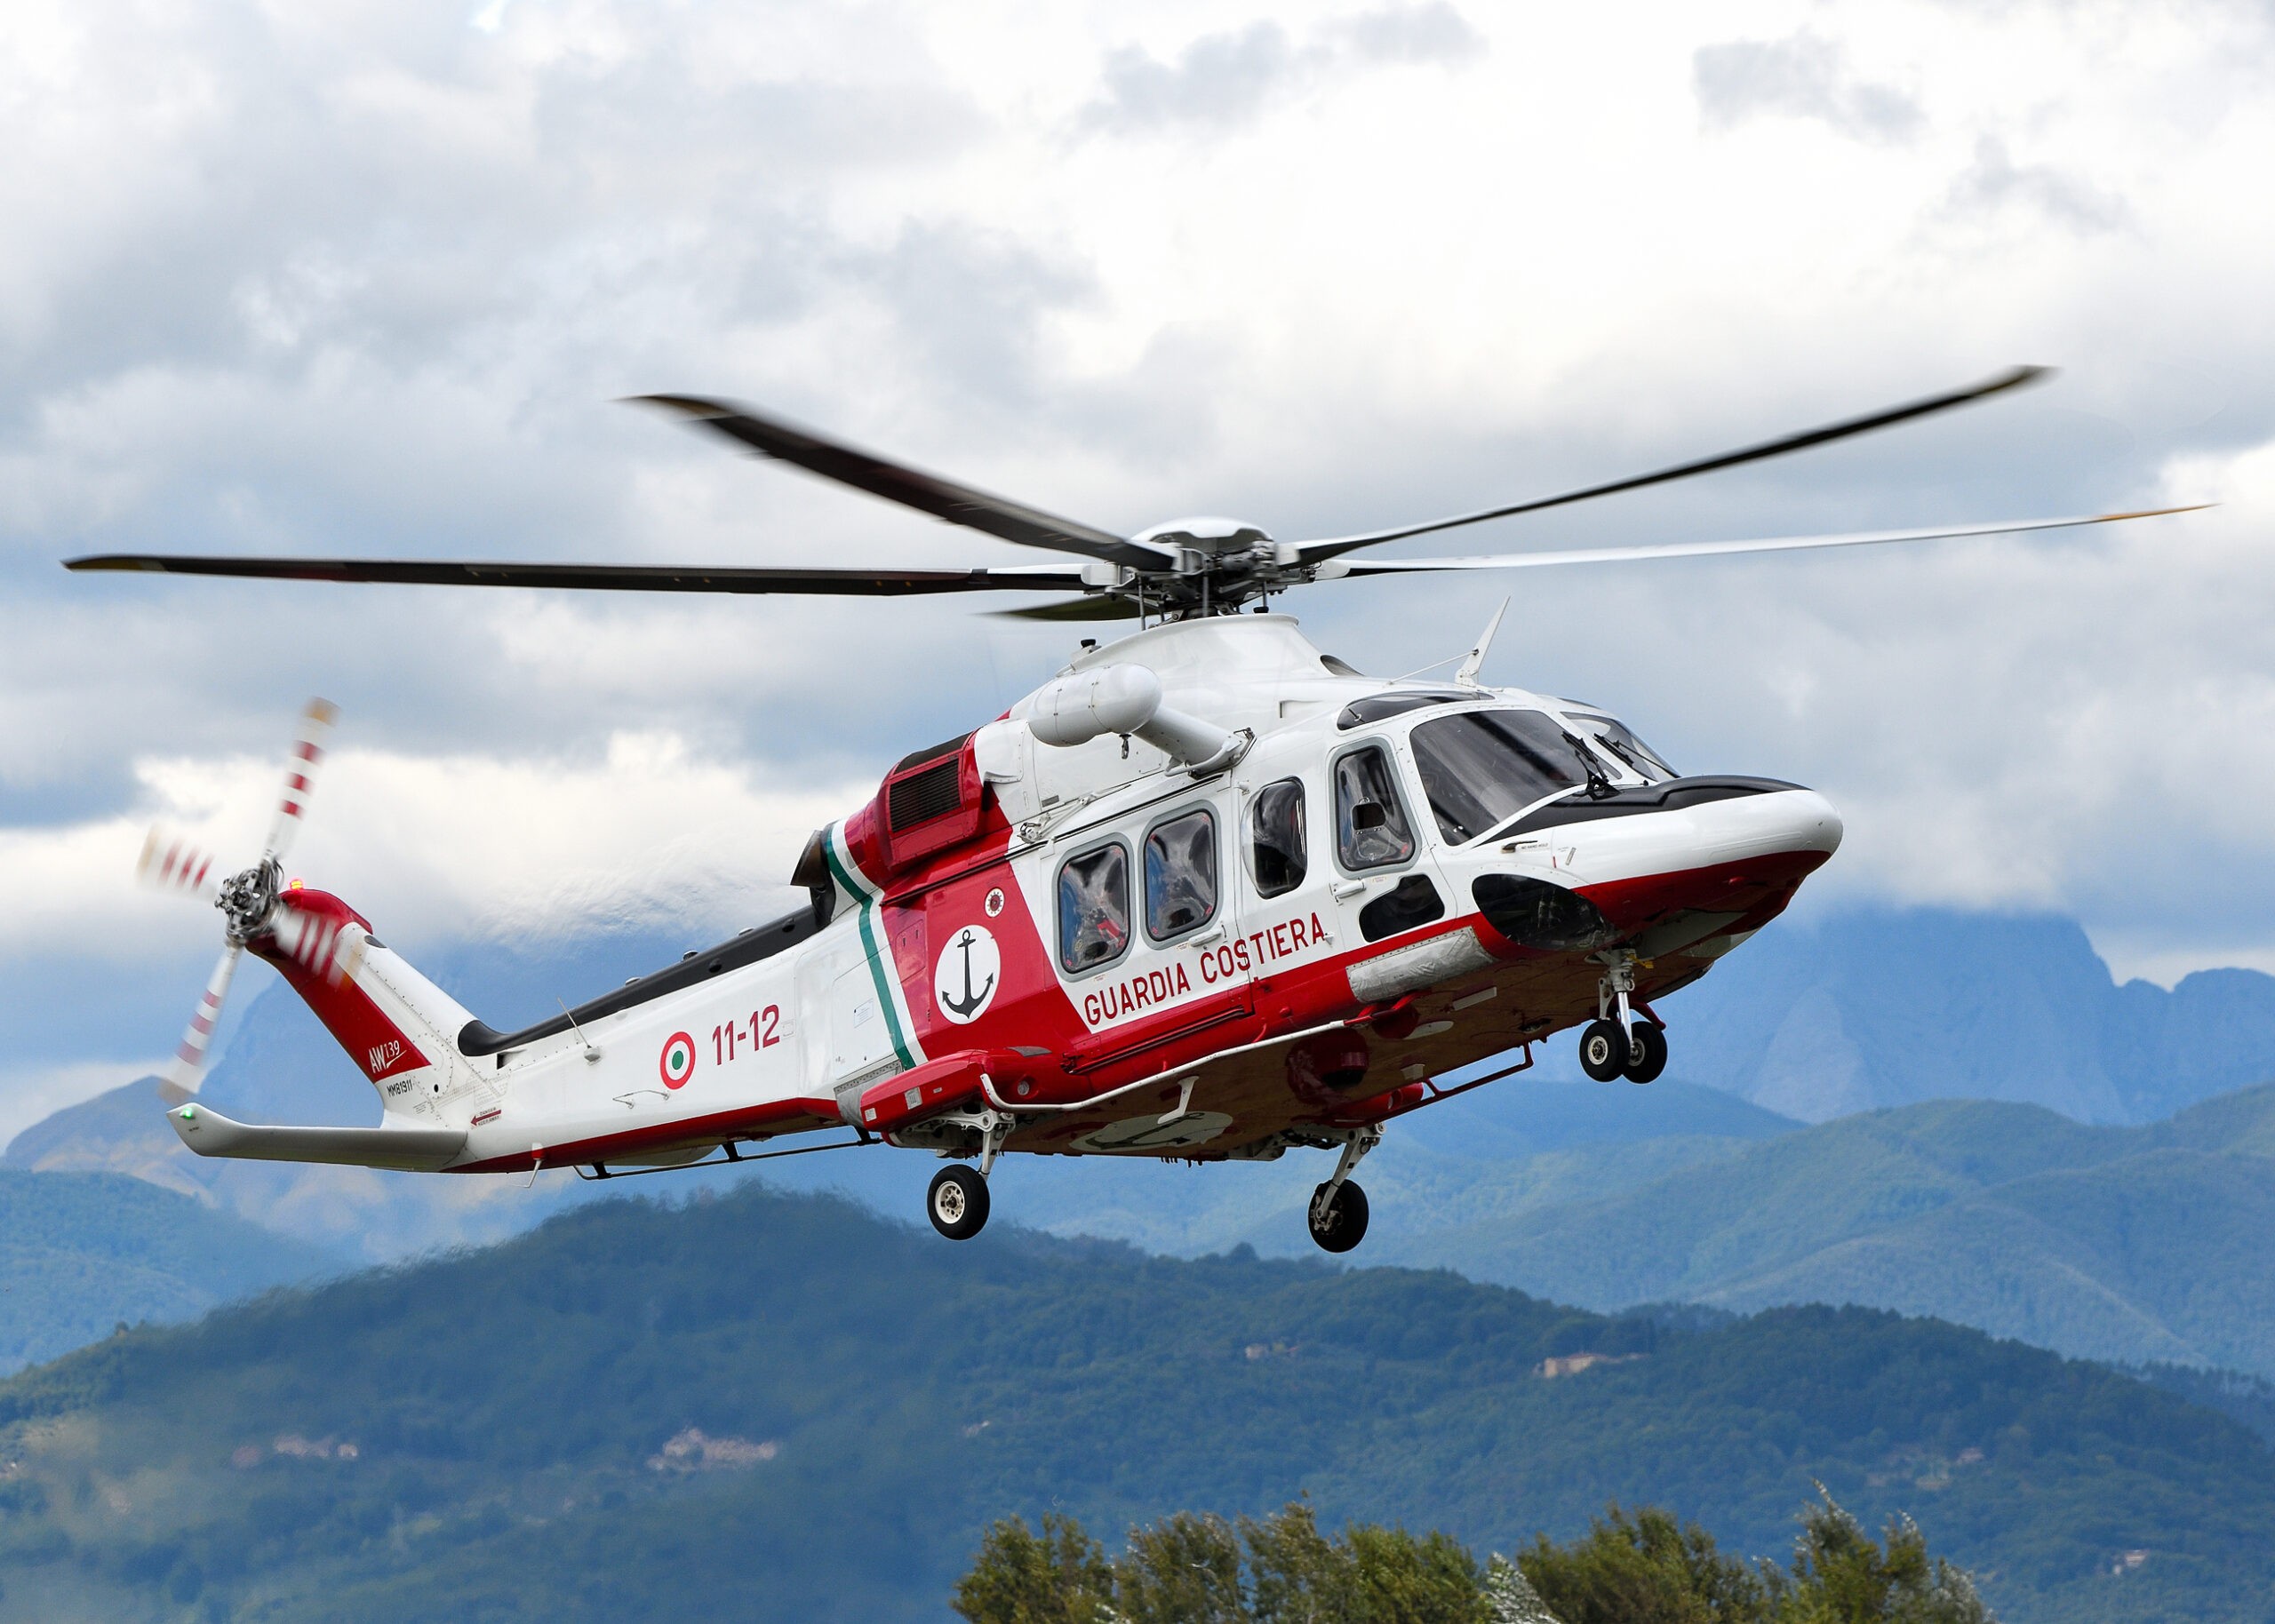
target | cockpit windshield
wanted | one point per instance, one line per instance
(1482, 767)
(1624, 746)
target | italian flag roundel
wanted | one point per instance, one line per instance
(678, 1064)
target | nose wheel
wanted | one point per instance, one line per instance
(1603, 1050)
(1617, 1043)
(1647, 1052)
(957, 1202)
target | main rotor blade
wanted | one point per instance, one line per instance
(1709, 549)
(601, 577)
(1099, 606)
(2014, 377)
(928, 493)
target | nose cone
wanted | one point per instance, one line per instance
(1816, 825)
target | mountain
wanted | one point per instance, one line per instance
(2127, 1244)
(81, 1254)
(1819, 1017)
(782, 1405)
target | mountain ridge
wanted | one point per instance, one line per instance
(2131, 1244)
(664, 1409)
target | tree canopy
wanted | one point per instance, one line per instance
(1629, 1568)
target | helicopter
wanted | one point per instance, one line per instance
(1208, 894)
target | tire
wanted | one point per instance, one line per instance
(1647, 1052)
(1346, 1218)
(957, 1202)
(1603, 1051)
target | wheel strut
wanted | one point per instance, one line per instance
(1355, 1151)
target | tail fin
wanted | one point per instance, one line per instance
(396, 1025)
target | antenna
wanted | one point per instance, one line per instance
(1467, 675)
(591, 1052)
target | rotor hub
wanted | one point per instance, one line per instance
(248, 900)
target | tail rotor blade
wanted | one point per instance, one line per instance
(188, 1069)
(299, 773)
(177, 866)
(320, 946)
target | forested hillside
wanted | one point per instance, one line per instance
(644, 1412)
(2134, 1244)
(82, 1253)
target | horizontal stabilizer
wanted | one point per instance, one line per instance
(408, 1149)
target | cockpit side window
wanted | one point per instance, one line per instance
(1094, 908)
(1180, 875)
(1624, 746)
(1276, 849)
(1482, 767)
(1370, 826)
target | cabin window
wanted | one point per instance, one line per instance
(1615, 738)
(1180, 874)
(1094, 908)
(1276, 854)
(1370, 826)
(1482, 767)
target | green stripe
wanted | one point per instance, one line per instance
(885, 981)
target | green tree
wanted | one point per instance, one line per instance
(1842, 1576)
(1182, 1570)
(1639, 1568)
(1371, 1575)
(1060, 1576)
(1300, 1576)
(1643, 1569)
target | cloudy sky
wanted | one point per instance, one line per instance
(368, 278)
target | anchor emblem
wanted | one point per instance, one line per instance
(964, 981)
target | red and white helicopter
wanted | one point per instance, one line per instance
(1208, 894)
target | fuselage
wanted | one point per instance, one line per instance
(1415, 876)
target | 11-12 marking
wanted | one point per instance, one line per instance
(763, 1031)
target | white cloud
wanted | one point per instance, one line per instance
(435, 848)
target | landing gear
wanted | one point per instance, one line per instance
(1647, 1052)
(1338, 1216)
(1603, 1050)
(957, 1202)
(1616, 1043)
(1338, 1208)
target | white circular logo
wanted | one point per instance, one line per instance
(995, 902)
(970, 969)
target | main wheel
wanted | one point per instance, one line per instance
(957, 1202)
(1647, 1052)
(1603, 1050)
(1344, 1223)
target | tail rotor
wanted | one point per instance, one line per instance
(251, 901)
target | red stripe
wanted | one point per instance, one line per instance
(306, 750)
(295, 780)
(291, 808)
